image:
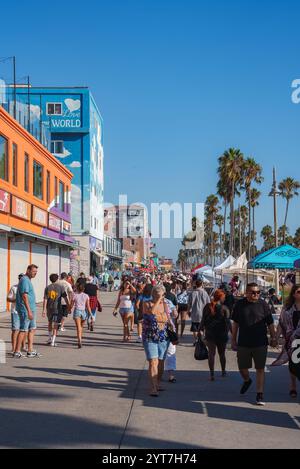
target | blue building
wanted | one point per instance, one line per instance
(76, 130)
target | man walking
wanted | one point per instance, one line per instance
(53, 295)
(63, 282)
(251, 317)
(15, 320)
(198, 298)
(26, 307)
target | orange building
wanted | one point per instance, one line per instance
(34, 209)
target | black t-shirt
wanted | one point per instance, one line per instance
(90, 289)
(171, 297)
(253, 319)
(296, 319)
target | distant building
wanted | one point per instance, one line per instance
(130, 225)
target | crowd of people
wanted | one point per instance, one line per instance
(158, 306)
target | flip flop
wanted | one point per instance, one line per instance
(153, 394)
(172, 380)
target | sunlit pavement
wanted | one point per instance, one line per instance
(97, 397)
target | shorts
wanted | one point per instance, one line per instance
(80, 314)
(27, 324)
(245, 356)
(156, 349)
(170, 363)
(124, 311)
(15, 322)
(64, 311)
(182, 308)
(195, 326)
(55, 317)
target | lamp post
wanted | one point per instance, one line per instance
(274, 193)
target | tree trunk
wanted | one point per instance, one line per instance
(231, 241)
(253, 230)
(224, 230)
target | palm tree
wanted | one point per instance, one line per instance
(254, 195)
(244, 222)
(252, 173)
(282, 232)
(230, 171)
(268, 237)
(219, 222)
(296, 241)
(288, 189)
(223, 191)
(211, 209)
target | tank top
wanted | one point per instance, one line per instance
(125, 301)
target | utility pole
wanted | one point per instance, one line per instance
(274, 193)
(15, 87)
(240, 230)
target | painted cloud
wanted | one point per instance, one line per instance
(75, 164)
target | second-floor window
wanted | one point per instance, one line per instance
(48, 187)
(54, 109)
(15, 164)
(57, 147)
(37, 180)
(3, 158)
(61, 196)
(26, 173)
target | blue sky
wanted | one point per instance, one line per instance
(177, 82)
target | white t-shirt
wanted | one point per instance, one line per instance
(12, 295)
(67, 288)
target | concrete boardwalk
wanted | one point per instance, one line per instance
(97, 397)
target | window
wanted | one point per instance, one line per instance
(132, 242)
(3, 158)
(15, 164)
(55, 190)
(61, 196)
(37, 180)
(54, 108)
(48, 188)
(57, 147)
(26, 172)
(67, 208)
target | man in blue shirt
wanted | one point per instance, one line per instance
(26, 307)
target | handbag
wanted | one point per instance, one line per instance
(172, 336)
(201, 352)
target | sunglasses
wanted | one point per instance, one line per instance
(254, 292)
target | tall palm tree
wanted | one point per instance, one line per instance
(211, 209)
(223, 192)
(244, 222)
(288, 189)
(219, 222)
(252, 173)
(230, 171)
(254, 195)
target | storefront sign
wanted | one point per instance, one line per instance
(54, 223)
(39, 217)
(4, 201)
(66, 227)
(20, 208)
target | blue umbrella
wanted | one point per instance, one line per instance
(282, 257)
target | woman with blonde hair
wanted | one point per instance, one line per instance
(156, 322)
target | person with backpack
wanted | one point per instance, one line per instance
(15, 320)
(82, 310)
(182, 300)
(53, 295)
(198, 298)
(215, 325)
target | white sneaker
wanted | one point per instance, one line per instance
(53, 344)
(62, 329)
(139, 340)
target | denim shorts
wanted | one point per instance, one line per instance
(81, 314)
(15, 322)
(123, 311)
(27, 324)
(156, 349)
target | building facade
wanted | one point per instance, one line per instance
(76, 129)
(35, 209)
